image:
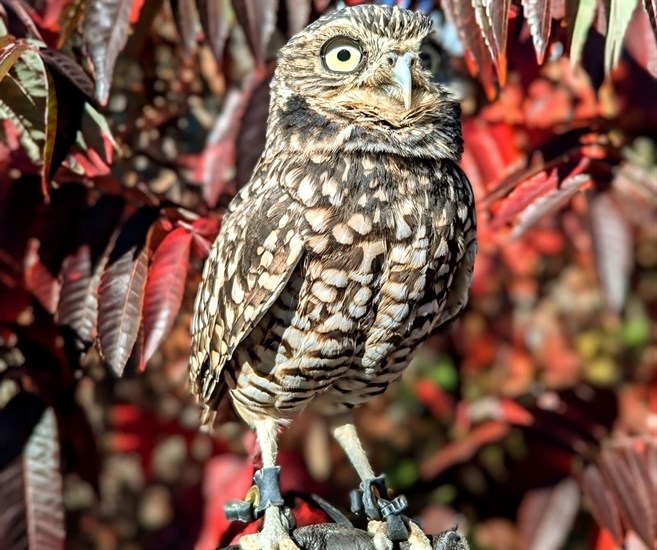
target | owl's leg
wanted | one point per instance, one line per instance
(274, 534)
(373, 495)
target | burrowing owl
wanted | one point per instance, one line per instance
(352, 242)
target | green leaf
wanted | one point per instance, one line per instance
(583, 21)
(619, 16)
(10, 56)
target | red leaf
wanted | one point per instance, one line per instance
(227, 477)
(546, 516)
(165, 288)
(538, 16)
(39, 281)
(493, 20)
(550, 202)
(524, 194)
(625, 472)
(121, 291)
(32, 515)
(258, 19)
(462, 16)
(106, 25)
(641, 40)
(613, 245)
(186, 19)
(603, 506)
(216, 22)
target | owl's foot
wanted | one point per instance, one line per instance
(378, 530)
(264, 498)
(274, 535)
(372, 498)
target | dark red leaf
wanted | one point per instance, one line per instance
(603, 506)
(40, 281)
(550, 202)
(650, 6)
(641, 39)
(121, 291)
(165, 288)
(62, 65)
(32, 514)
(462, 16)
(493, 20)
(185, 19)
(258, 19)
(538, 15)
(613, 245)
(216, 20)
(298, 12)
(106, 25)
(629, 482)
(546, 516)
(524, 194)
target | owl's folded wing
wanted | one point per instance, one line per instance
(249, 265)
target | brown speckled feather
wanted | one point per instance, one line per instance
(353, 241)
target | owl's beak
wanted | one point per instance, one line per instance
(403, 78)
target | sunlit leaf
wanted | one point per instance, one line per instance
(583, 22)
(546, 515)
(549, 203)
(618, 18)
(614, 250)
(258, 19)
(216, 19)
(627, 476)
(10, 56)
(121, 291)
(186, 20)
(603, 505)
(32, 515)
(106, 26)
(492, 16)
(538, 15)
(165, 288)
(298, 12)
(81, 270)
(462, 16)
(651, 9)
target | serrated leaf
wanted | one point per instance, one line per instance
(10, 56)
(186, 19)
(32, 514)
(603, 506)
(492, 16)
(546, 515)
(298, 13)
(258, 20)
(105, 31)
(549, 203)
(165, 288)
(524, 194)
(480, 63)
(613, 245)
(62, 65)
(216, 19)
(629, 481)
(121, 291)
(50, 138)
(538, 16)
(650, 6)
(583, 22)
(619, 16)
(81, 270)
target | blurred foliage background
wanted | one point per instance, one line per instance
(125, 128)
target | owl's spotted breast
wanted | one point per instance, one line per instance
(379, 258)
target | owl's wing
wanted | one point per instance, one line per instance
(457, 297)
(250, 263)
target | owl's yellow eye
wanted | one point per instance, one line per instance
(341, 55)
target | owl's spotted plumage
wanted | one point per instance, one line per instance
(355, 237)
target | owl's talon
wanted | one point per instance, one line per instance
(372, 498)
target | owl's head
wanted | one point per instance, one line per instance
(355, 79)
